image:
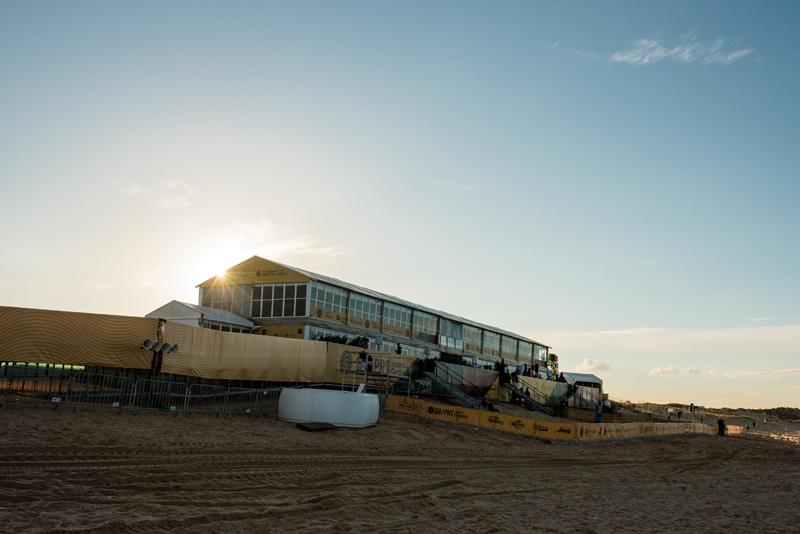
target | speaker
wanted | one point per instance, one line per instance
(147, 344)
(157, 346)
(174, 349)
(166, 348)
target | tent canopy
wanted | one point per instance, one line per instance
(583, 379)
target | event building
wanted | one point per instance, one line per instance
(268, 298)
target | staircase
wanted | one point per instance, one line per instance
(450, 382)
(529, 400)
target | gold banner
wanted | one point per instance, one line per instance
(328, 315)
(472, 348)
(396, 331)
(366, 324)
(540, 429)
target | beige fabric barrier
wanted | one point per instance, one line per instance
(213, 354)
(71, 338)
(344, 356)
(541, 429)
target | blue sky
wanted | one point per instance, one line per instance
(617, 180)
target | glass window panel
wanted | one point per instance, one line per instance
(226, 328)
(266, 309)
(300, 307)
(301, 291)
(277, 308)
(277, 292)
(257, 293)
(288, 308)
(289, 291)
(329, 297)
(256, 309)
(267, 293)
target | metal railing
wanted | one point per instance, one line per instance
(24, 384)
(94, 389)
(203, 398)
(159, 395)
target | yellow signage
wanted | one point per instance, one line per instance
(328, 315)
(540, 429)
(366, 324)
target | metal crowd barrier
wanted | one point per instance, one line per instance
(21, 386)
(159, 395)
(93, 389)
(242, 401)
(202, 398)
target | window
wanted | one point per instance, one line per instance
(509, 346)
(452, 335)
(328, 297)
(235, 299)
(525, 349)
(279, 300)
(425, 327)
(472, 338)
(491, 341)
(365, 307)
(397, 316)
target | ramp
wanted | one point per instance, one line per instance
(529, 400)
(453, 390)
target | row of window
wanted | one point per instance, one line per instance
(365, 307)
(397, 316)
(279, 300)
(290, 300)
(328, 297)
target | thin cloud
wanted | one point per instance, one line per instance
(757, 319)
(455, 186)
(755, 340)
(688, 50)
(173, 183)
(713, 373)
(129, 189)
(592, 366)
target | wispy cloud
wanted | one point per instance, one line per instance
(171, 194)
(592, 366)
(756, 340)
(129, 189)
(688, 50)
(455, 186)
(713, 373)
(758, 319)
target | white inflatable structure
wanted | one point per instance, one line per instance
(340, 408)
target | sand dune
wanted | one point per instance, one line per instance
(104, 473)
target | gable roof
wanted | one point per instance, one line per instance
(174, 309)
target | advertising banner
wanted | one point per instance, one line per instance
(540, 429)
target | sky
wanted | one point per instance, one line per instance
(617, 180)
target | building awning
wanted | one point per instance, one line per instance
(177, 310)
(581, 379)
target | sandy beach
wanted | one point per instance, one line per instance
(104, 473)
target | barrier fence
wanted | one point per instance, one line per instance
(94, 389)
(103, 390)
(19, 384)
(209, 399)
(542, 429)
